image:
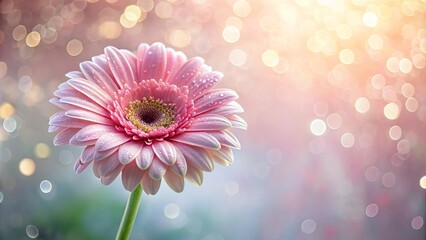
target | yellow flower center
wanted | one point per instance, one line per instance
(150, 114)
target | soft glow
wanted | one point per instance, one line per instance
(417, 222)
(6, 110)
(74, 47)
(423, 182)
(110, 30)
(395, 132)
(27, 167)
(371, 210)
(318, 127)
(179, 38)
(308, 226)
(238, 57)
(369, 19)
(171, 211)
(411, 104)
(405, 65)
(334, 121)
(42, 150)
(391, 111)
(270, 58)
(362, 105)
(347, 140)
(33, 39)
(231, 34)
(347, 56)
(241, 8)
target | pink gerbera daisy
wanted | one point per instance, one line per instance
(148, 115)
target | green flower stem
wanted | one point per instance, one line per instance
(129, 214)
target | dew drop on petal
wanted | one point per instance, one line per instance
(417, 223)
(371, 210)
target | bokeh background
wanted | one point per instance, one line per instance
(335, 99)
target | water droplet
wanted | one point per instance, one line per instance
(171, 211)
(1, 197)
(46, 186)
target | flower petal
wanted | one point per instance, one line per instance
(165, 151)
(60, 120)
(175, 182)
(144, 159)
(128, 151)
(226, 138)
(175, 60)
(214, 99)
(180, 167)
(103, 154)
(154, 63)
(74, 74)
(96, 74)
(85, 104)
(131, 176)
(209, 122)
(88, 116)
(224, 156)
(89, 134)
(149, 185)
(187, 72)
(119, 66)
(237, 122)
(199, 139)
(203, 83)
(107, 180)
(194, 175)
(198, 157)
(64, 136)
(111, 140)
(79, 167)
(228, 109)
(108, 164)
(90, 90)
(87, 154)
(157, 169)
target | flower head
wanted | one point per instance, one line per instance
(148, 115)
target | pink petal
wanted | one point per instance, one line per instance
(107, 180)
(165, 151)
(214, 99)
(132, 60)
(95, 168)
(98, 75)
(103, 154)
(149, 185)
(157, 169)
(224, 156)
(56, 102)
(89, 89)
(180, 167)
(88, 116)
(108, 164)
(102, 62)
(199, 139)
(154, 63)
(144, 159)
(226, 138)
(55, 129)
(228, 109)
(131, 176)
(175, 182)
(119, 66)
(237, 121)
(209, 122)
(64, 136)
(84, 104)
(79, 167)
(74, 74)
(203, 83)
(87, 154)
(194, 175)
(187, 72)
(60, 120)
(89, 134)
(128, 151)
(174, 61)
(111, 140)
(198, 157)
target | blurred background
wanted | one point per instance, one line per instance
(335, 99)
